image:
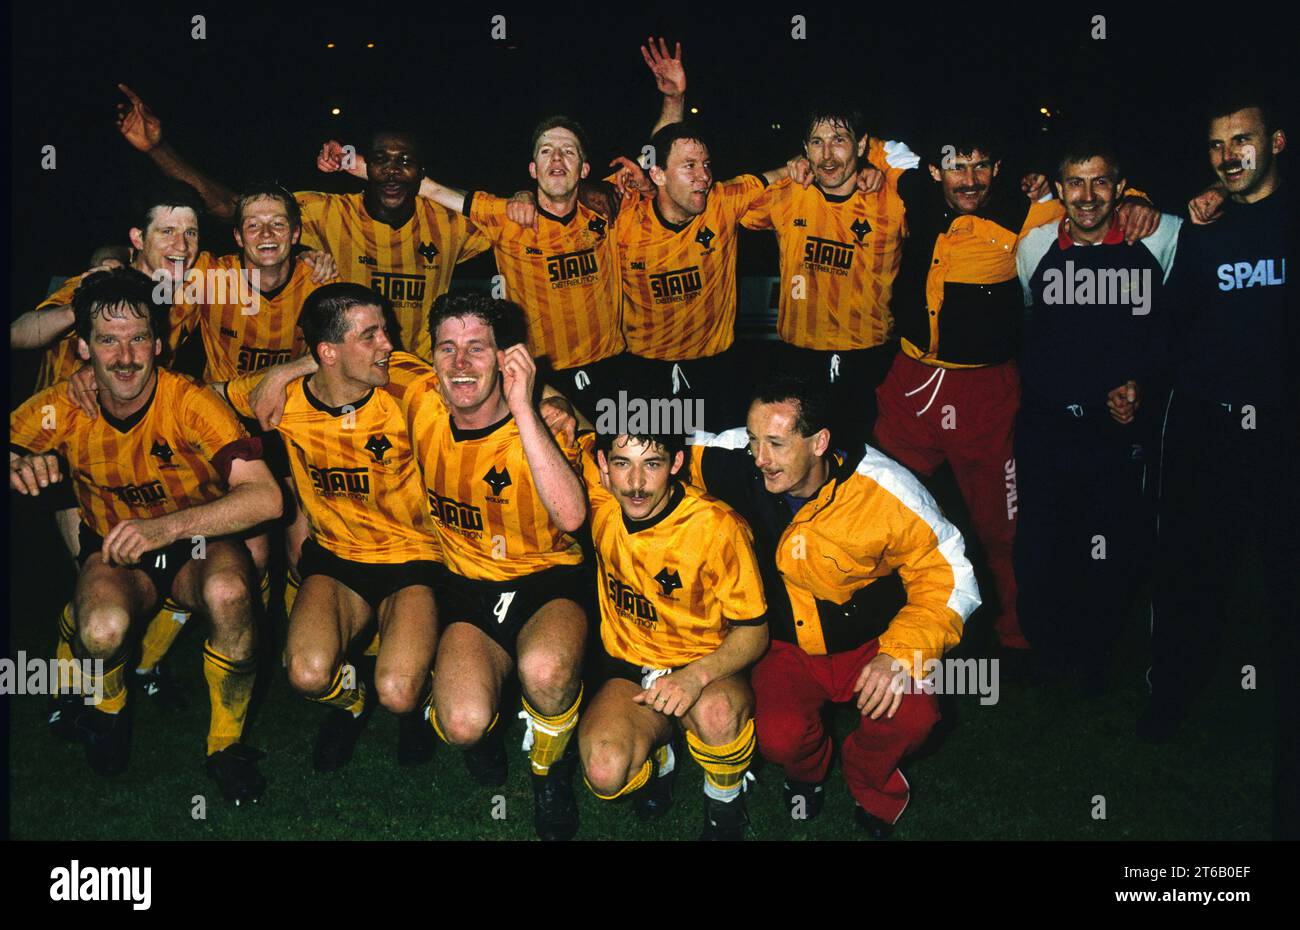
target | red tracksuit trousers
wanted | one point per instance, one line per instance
(790, 687)
(966, 416)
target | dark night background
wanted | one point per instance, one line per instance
(253, 98)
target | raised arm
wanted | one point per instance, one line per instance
(39, 328)
(330, 159)
(450, 197)
(1207, 206)
(52, 318)
(1137, 216)
(780, 174)
(142, 128)
(670, 78)
(558, 485)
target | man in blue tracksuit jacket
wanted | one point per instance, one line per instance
(1091, 376)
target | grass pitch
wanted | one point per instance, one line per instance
(1031, 766)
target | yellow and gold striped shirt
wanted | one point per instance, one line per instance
(354, 466)
(410, 265)
(679, 282)
(238, 341)
(839, 258)
(565, 276)
(671, 587)
(481, 497)
(172, 454)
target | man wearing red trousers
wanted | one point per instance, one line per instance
(953, 390)
(877, 586)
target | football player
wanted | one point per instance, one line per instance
(683, 616)
(370, 553)
(504, 498)
(165, 477)
(384, 238)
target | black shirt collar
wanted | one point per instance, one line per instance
(461, 435)
(835, 198)
(365, 208)
(275, 292)
(674, 227)
(334, 411)
(562, 220)
(675, 496)
(129, 423)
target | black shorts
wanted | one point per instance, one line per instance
(587, 385)
(850, 378)
(61, 495)
(606, 667)
(161, 565)
(717, 386)
(501, 608)
(373, 581)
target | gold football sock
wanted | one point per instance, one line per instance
(110, 687)
(549, 735)
(160, 634)
(351, 699)
(69, 669)
(230, 688)
(724, 766)
(432, 716)
(640, 778)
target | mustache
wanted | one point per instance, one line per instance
(976, 189)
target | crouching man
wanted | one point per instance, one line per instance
(682, 619)
(165, 479)
(867, 583)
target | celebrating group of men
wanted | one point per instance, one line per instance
(429, 458)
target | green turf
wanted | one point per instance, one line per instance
(1025, 768)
